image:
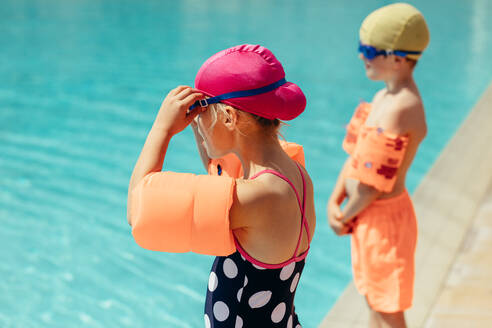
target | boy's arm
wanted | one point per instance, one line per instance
(334, 213)
(338, 194)
(399, 121)
(361, 196)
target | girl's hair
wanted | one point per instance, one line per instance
(265, 122)
(269, 126)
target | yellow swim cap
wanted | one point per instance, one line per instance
(398, 26)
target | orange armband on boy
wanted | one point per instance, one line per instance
(376, 158)
(353, 128)
(182, 212)
(230, 165)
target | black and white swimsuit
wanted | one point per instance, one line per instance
(246, 293)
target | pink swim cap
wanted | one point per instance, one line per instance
(251, 79)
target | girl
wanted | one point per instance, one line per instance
(239, 98)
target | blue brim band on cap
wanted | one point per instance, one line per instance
(238, 94)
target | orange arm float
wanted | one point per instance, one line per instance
(230, 165)
(353, 128)
(376, 158)
(295, 151)
(182, 212)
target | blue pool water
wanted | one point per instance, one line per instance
(80, 83)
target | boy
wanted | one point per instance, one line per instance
(382, 140)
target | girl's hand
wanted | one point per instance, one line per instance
(173, 115)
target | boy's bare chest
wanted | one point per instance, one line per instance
(380, 112)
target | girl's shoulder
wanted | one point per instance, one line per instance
(256, 198)
(252, 199)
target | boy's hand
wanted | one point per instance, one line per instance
(173, 115)
(338, 227)
(335, 219)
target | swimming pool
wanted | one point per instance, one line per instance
(80, 83)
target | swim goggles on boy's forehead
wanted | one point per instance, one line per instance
(370, 52)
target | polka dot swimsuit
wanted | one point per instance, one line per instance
(246, 293)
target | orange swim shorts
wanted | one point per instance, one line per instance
(383, 248)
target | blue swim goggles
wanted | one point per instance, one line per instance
(370, 52)
(238, 94)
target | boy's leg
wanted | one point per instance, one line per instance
(374, 321)
(392, 320)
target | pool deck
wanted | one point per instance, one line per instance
(453, 202)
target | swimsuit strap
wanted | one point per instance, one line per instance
(302, 205)
(304, 220)
(283, 177)
(303, 211)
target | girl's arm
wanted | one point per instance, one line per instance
(171, 119)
